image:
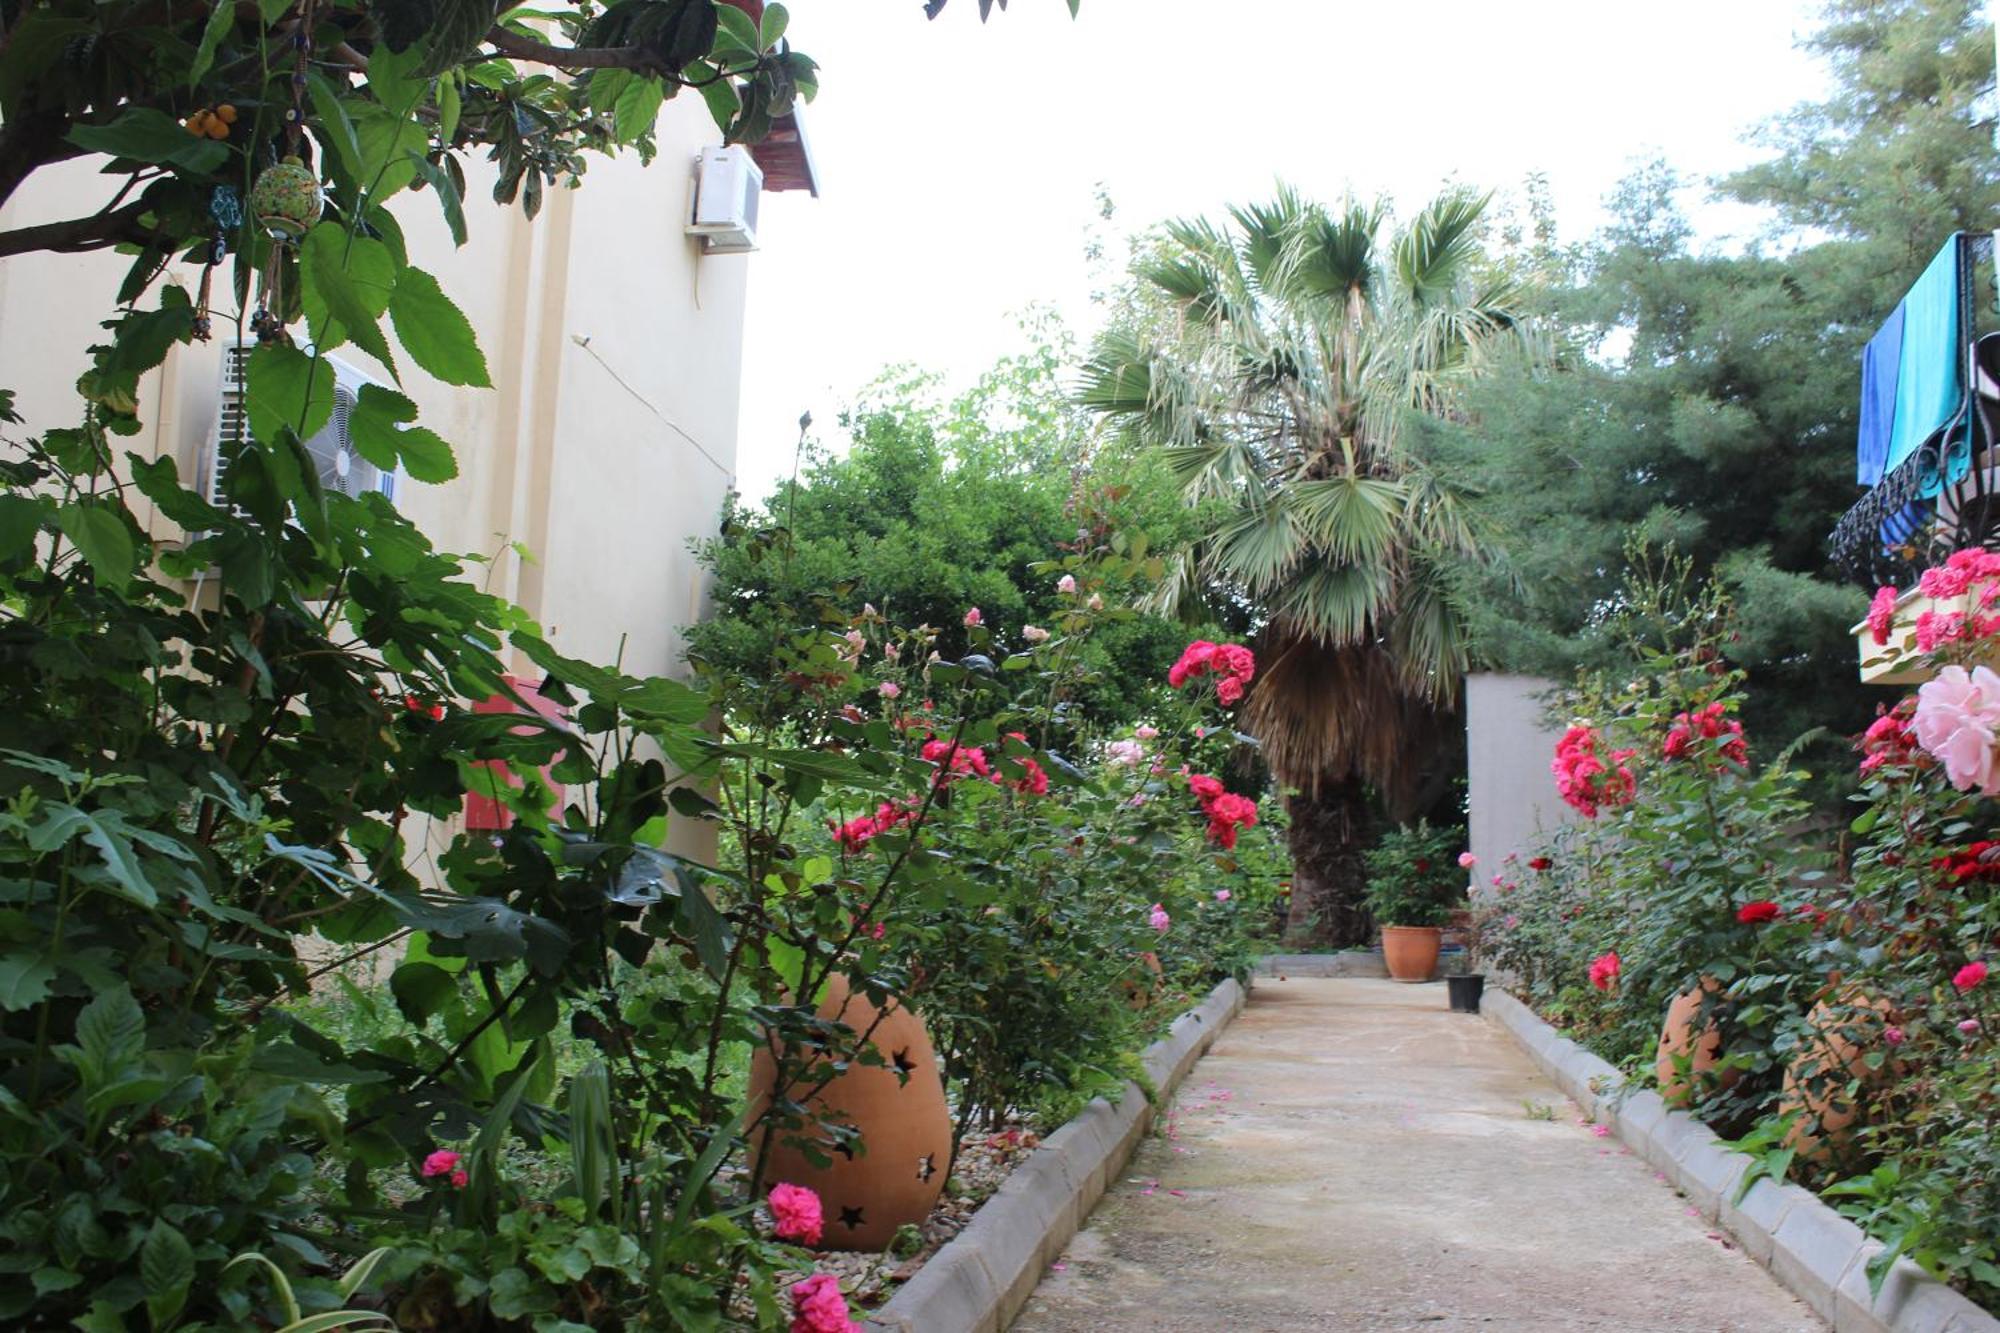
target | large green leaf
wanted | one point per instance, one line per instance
(287, 388)
(435, 332)
(146, 135)
(421, 990)
(346, 283)
(166, 1269)
(105, 542)
(110, 1036)
(391, 146)
(20, 524)
(221, 18)
(24, 980)
(382, 428)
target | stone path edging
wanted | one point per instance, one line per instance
(1811, 1249)
(980, 1280)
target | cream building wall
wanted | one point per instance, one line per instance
(615, 348)
(1511, 795)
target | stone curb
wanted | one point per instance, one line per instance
(979, 1281)
(1814, 1252)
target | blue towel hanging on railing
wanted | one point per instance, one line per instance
(1913, 394)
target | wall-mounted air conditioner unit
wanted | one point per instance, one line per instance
(727, 185)
(331, 447)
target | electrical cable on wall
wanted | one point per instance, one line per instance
(644, 402)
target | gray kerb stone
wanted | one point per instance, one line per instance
(980, 1280)
(1811, 1252)
(1814, 1251)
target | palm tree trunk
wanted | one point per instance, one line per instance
(1330, 830)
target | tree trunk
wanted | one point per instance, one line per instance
(1329, 832)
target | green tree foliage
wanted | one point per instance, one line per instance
(1276, 382)
(941, 506)
(1710, 397)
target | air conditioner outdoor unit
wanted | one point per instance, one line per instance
(331, 447)
(727, 185)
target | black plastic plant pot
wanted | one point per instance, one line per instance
(1465, 992)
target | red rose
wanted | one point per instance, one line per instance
(1751, 914)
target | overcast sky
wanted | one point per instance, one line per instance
(958, 161)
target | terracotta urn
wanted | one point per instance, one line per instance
(1816, 1089)
(894, 1176)
(1685, 1059)
(1411, 952)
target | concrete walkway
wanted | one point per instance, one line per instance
(1351, 1155)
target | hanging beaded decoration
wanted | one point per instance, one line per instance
(286, 199)
(225, 212)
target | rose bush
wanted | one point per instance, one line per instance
(1716, 872)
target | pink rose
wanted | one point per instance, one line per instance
(1128, 753)
(1159, 918)
(973, 618)
(1066, 584)
(1970, 975)
(1882, 616)
(1034, 634)
(1222, 895)
(1968, 1026)
(440, 1163)
(1095, 603)
(796, 1214)
(459, 1180)
(1957, 715)
(1146, 733)
(1894, 1036)
(889, 689)
(1466, 860)
(818, 1306)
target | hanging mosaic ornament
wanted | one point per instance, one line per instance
(286, 200)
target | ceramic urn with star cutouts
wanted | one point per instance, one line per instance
(884, 1129)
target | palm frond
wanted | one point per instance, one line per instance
(1337, 604)
(1352, 518)
(1434, 253)
(1258, 548)
(1332, 256)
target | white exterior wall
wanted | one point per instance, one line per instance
(605, 446)
(1508, 743)
(602, 480)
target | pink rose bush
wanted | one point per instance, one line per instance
(1232, 665)
(1226, 811)
(1585, 782)
(1711, 724)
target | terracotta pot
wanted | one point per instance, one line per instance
(1700, 1051)
(1817, 1078)
(893, 1178)
(1411, 951)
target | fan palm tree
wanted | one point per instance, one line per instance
(1287, 354)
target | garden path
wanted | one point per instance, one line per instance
(1351, 1155)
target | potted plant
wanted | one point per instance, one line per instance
(1414, 882)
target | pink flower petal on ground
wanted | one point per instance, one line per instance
(1178, 1194)
(1602, 1131)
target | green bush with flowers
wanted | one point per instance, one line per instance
(1416, 876)
(1838, 988)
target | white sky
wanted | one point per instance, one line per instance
(958, 162)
